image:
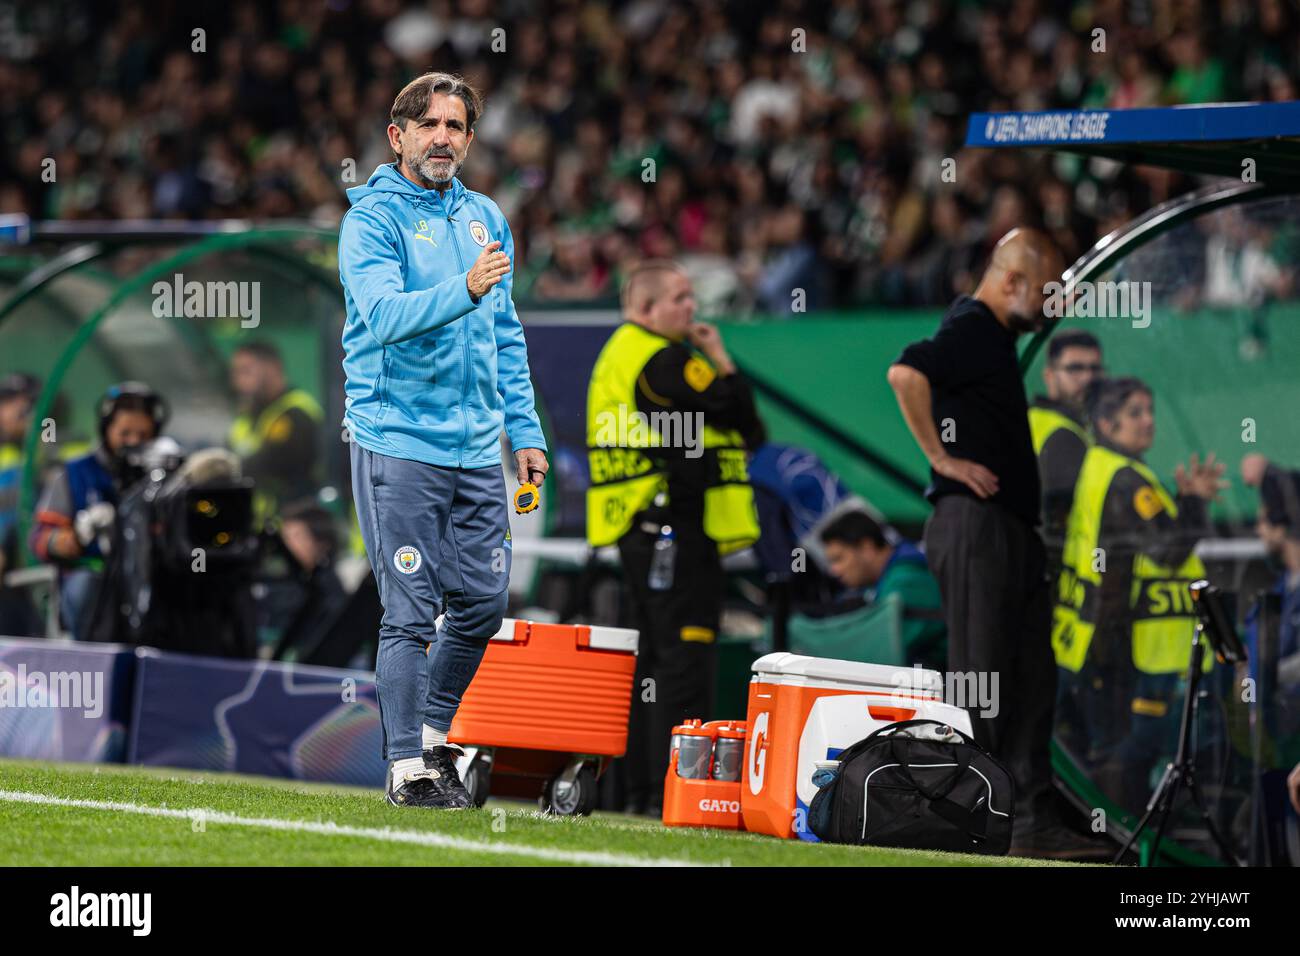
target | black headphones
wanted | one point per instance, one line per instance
(155, 407)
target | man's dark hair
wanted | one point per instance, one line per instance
(1073, 339)
(19, 385)
(413, 101)
(1107, 396)
(854, 527)
(261, 350)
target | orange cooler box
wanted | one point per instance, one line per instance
(546, 711)
(551, 687)
(806, 709)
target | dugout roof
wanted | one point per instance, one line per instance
(1214, 139)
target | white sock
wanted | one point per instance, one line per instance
(402, 768)
(433, 738)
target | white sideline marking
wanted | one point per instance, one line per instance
(592, 858)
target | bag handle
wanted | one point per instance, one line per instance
(854, 749)
(942, 790)
(890, 729)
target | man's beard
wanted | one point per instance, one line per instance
(1020, 323)
(436, 170)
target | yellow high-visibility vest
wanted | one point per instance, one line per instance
(1044, 423)
(247, 435)
(75, 449)
(625, 480)
(1160, 605)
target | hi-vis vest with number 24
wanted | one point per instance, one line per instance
(625, 480)
(1160, 605)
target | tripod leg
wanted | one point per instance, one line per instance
(1167, 806)
(1156, 801)
(1224, 847)
(1182, 761)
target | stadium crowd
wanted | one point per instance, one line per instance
(800, 147)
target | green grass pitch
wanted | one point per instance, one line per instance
(107, 815)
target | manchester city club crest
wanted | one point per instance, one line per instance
(478, 232)
(407, 560)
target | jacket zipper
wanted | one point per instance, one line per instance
(464, 381)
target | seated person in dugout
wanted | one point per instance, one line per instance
(1123, 620)
(863, 559)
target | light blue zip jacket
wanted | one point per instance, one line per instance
(432, 375)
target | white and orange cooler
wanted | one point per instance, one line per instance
(808, 709)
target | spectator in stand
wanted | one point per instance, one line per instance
(656, 120)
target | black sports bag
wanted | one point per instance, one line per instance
(919, 784)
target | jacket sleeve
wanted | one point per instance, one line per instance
(54, 510)
(370, 265)
(514, 383)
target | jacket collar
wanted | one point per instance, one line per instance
(1042, 401)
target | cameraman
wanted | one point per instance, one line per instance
(76, 511)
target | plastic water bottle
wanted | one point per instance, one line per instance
(661, 563)
(824, 772)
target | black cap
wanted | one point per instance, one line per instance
(19, 383)
(138, 395)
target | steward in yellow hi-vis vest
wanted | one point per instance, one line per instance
(1060, 442)
(669, 426)
(277, 433)
(250, 434)
(626, 453)
(1158, 610)
(1123, 621)
(1059, 431)
(1048, 419)
(277, 445)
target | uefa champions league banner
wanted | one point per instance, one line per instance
(60, 700)
(256, 717)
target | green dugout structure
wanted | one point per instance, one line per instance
(1211, 324)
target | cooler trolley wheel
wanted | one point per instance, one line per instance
(478, 779)
(571, 793)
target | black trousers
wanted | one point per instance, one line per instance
(677, 650)
(992, 574)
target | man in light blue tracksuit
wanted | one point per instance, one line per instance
(436, 366)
